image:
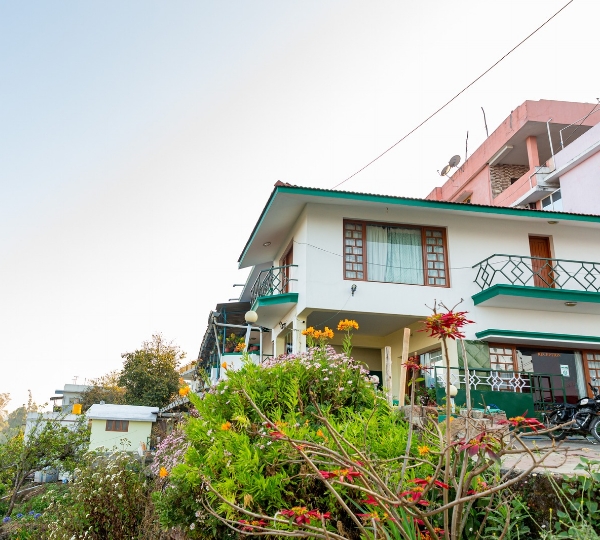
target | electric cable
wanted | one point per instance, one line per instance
(453, 98)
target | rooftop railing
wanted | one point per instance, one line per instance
(538, 272)
(275, 280)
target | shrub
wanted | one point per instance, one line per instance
(106, 501)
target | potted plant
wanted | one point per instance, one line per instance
(253, 348)
(231, 343)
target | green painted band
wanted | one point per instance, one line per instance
(536, 335)
(286, 298)
(563, 295)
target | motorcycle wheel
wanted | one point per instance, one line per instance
(557, 434)
(595, 429)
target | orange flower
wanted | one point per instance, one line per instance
(226, 426)
(163, 472)
(184, 391)
(320, 433)
(328, 333)
(347, 324)
(224, 365)
(309, 331)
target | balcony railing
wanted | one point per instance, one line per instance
(275, 280)
(538, 272)
(544, 388)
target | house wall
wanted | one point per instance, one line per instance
(138, 432)
(580, 187)
(470, 239)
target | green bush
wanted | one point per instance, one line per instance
(107, 501)
(239, 453)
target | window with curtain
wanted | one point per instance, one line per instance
(394, 254)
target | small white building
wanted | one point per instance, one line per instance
(112, 424)
(69, 396)
(35, 422)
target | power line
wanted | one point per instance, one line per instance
(457, 95)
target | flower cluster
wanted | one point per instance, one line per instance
(522, 422)
(249, 526)
(347, 325)
(302, 515)
(416, 493)
(318, 334)
(340, 474)
(446, 325)
(184, 391)
(169, 452)
(240, 346)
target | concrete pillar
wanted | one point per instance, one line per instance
(532, 152)
(298, 340)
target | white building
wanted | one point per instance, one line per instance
(125, 427)
(69, 396)
(527, 278)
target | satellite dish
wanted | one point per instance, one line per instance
(454, 161)
(445, 170)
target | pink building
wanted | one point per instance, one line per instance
(541, 147)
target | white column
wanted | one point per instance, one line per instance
(298, 340)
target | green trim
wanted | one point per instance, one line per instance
(546, 293)
(492, 332)
(264, 301)
(418, 203)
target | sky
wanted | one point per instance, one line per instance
(140, 140)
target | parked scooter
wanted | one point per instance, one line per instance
(584, 418)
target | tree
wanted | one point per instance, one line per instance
(49, 443)
(150, 374)
(105, 388)
(4, 399)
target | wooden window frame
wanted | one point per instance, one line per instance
(511, 346)
(121, 426)
(586, 369)
(422, 228)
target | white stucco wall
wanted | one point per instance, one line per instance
(580, 187)
(471, 238)
(138, 432)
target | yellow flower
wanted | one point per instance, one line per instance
(423, 450)
(226, 426)
(328, 333)
(224, 365)
(320, 433)
(181, 381)
(309, 331)
(317, 334)
(184, 391)
(163, 472)
(347, 324)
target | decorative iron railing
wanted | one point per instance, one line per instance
(546, 388)
(538, 272)
(274, 280)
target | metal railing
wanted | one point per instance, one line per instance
(274, 280)
(538, 272)
(545, 388)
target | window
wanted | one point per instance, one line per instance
(117, 425)
(592, 364)
(553, 202)
(395, 253)
(502, 358)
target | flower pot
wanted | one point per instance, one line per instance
(228, 349)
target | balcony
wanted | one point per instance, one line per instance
(515, 281)
(273, 295)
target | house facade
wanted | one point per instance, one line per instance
(126, 427)
(542, 156)
(529, 279)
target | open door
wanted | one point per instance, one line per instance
(288, 259)
(539, 247)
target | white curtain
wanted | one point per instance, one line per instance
(394, 255)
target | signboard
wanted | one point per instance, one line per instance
(564, 370)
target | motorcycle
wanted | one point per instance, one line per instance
(583, 418)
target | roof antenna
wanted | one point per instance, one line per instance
(466, 146)
(485, 122)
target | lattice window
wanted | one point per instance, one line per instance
(416, 255)
(593, 368)
(436, 257)
(502, 358)
(354, 250)
(117, 425)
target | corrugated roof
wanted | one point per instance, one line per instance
(134, 413)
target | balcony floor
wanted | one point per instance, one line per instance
(538, 299)
(271, 309)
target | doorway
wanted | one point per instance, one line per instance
(541, 263)
(286, 262)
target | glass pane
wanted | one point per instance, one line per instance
(351, 275)
(350, 226)
(348, 266)
(350, 242)
(351, 258)
(357, 234)
(348, 234)
(440, 281)
(437, 234)
(359, 275)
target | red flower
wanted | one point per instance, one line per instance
(481, 443)
(250, 525)
(426, 481)
(276, 434)
(370, 500)
(446, 325)
(348, 474)
(415, 495)
(303, 515)
(520, 421)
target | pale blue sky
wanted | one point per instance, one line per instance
(140, 140)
